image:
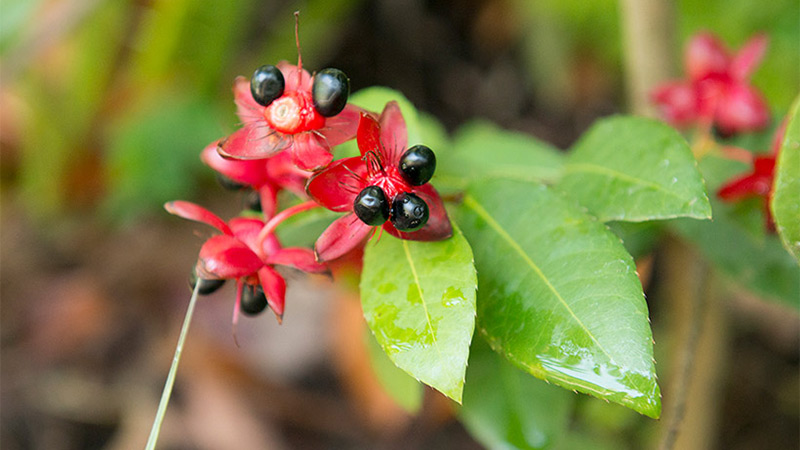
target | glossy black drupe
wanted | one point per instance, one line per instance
(267, 84)
(418, 164)
(228, 183)
(330, 91)
(371, 206)
(253, 300)
(206, 286)
(252, 201)
(409, 212)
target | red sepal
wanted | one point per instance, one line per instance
(438, 226)
(310, 152)
(225, 257)
(337, 187)
(343, 235)
(197, 213)
(254, 141)
(274, 287)
(299, 258)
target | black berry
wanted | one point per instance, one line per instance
(371, 206)
(330, 91)
(418, 164)
(409, 212)
(253, 201)
(253, 300)
(228, 183)
(206, 286)
(267, 84)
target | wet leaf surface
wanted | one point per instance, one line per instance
(559, 295)
(786, 197)
(634, 169)
(419, 301)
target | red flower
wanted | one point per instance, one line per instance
(290, 122)
(717, 91)
(267, 176)
(382, 142)
(239, 253)
(757, 183)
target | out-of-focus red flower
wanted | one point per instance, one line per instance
(759, 182)
(266, 176)
(717, 90)
(381, 143)
(289, 123)
(239, 253)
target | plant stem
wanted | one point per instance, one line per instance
(273, 223)
(167, 392)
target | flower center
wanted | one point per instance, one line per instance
(293, 113)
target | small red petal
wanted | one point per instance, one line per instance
(282, 171)
(343, 235)
(764, 165)
(247, 108)
(748, 57)
(226, 257)
(337, 186)
(341, 127)
(195, 212)
(255, 141)
(289, 72)
(246, 230)
(706, 56)
(746, 186)
(438, 226)
(299, 258)
(368, 136)
(678, 103)
(274, 287)
(310, 152)
(250, 172)
(268, 197)
(394, 135)
(741, 109)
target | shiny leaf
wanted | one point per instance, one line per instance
(482, 150)
(634, 169)
(506, 408)
(786, 190)
(559, 295)
(419, 302)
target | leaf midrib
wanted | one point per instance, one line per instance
(473, 204)
(421, 296)
(594, 168)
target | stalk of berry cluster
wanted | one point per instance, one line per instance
(173, 370)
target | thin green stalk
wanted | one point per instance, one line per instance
(167, 392)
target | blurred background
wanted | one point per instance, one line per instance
(104, 108)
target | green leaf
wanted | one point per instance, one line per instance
(482, 150)
(559, 295)
(405, 390)
(506, 408)
(754, 260)
(635, 169)
(419, 301)
(302, 230)
(639, 238)
(786, 196)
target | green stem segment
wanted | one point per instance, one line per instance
(167, 392)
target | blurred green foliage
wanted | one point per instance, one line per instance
(114, 76)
